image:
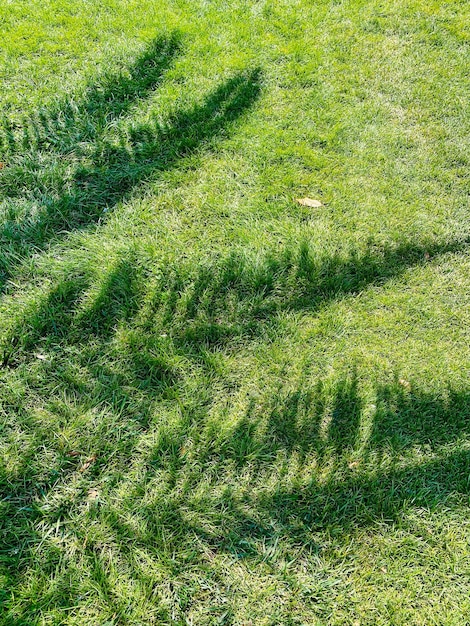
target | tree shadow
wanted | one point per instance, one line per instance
(66, 171)
(239, 296)
(406, 418)
(345, 489)
(157, 347)
(61, 129)
(128, 352)
(136, 361)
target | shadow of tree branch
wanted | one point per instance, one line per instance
(67, 172)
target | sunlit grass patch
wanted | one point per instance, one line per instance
(217, 405)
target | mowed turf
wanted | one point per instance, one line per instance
(218, 406)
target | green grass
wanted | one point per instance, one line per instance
(218, 406)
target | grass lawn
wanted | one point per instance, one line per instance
(217, 405)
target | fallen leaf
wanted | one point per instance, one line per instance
(73, 453)
(41, 357)
(87, 463)
(383, 570)
(353, 464)
(2, 165)
(404, 383)
(427, 256)
(309, 202)
(93, 494)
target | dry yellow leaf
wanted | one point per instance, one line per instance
(93, 494)
(310, 202)
(73, 453)
(87, 463)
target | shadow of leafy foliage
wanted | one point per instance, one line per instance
(119, 449)
(137, 363)
(63, 170)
